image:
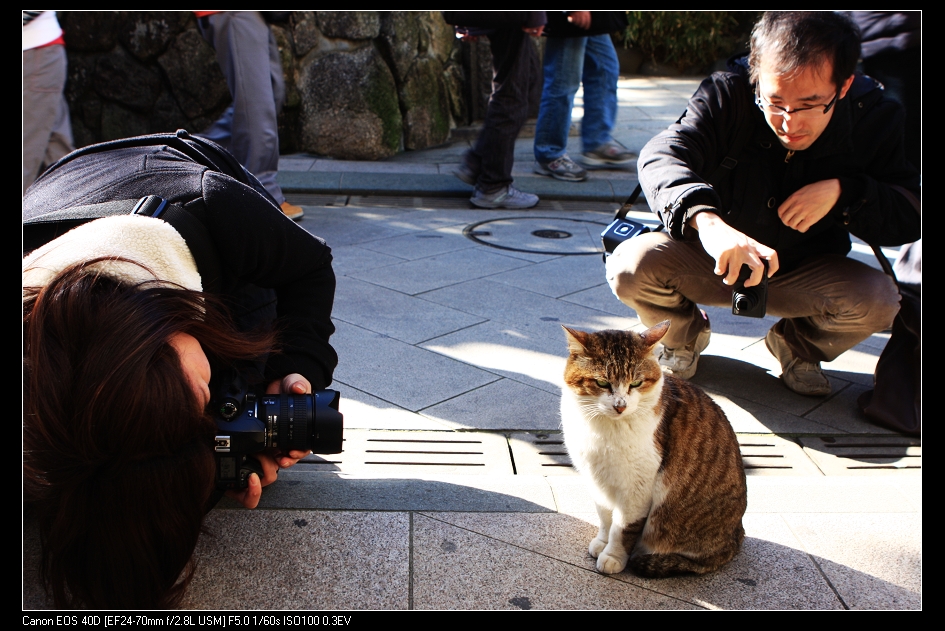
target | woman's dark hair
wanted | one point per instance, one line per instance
(118, 464)
(791, 40)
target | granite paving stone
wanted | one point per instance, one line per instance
(407, 376)
(501, 405)
(556, 278)
(441, 270)
(395, 314)
(505, 350)
(301, 560)
(524, 309)
(422, 243)
(873, 560)
(497, 575)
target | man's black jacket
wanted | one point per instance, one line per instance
(862, 146)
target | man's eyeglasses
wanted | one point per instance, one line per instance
(800, 112)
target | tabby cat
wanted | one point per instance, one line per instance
(660, 456)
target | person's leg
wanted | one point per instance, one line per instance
(507, 110)
(564, 59)
(662, 279)
(249, 59)
(828, 305)
(600, 75)
(44, 76)
(61, 142)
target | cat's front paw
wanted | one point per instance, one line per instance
(608, 563)
(597, 546)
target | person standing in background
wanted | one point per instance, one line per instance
(47, 132)
(579, 51)
(249, 58)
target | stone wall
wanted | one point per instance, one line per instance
(359, 84)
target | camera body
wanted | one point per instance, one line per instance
(619, 230)
(750, 302)
(249, 421)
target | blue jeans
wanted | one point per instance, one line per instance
(569, 62)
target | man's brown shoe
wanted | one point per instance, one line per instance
(292, 212)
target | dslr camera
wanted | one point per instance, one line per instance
(249, 420)
(750, 302)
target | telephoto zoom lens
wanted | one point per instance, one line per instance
(303, 421)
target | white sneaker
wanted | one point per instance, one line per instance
(803, 377)
(682, 362)
(509, 197)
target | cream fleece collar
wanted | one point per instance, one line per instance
(151, 242)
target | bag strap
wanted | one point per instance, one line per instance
(43, 228)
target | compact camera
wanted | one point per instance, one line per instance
(619, 230)
(248, 421)
(750, 302)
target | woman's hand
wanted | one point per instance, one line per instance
(272, 460)
(290, 384)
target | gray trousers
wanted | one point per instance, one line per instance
(47, 132)
(828, 305)
(249, 58)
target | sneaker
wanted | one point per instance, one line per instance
(682, 362)
(292, 211)
(608, 154)
(801, 376)
(467, 175)
(563, 169)
(509, 197)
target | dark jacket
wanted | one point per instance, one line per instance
(254, 241)
(862, 146)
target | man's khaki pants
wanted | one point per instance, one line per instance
(828, 305)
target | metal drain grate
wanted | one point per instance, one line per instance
(545, 454)
(540, 453)
(405, 454)
(764, 454)
(383, 454)
(864, 455)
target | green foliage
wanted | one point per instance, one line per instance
(687, 39)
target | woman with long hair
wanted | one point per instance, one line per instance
(125, 324)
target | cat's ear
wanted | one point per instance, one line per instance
(576, 340)
(655, 333)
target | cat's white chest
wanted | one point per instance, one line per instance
(618, 456)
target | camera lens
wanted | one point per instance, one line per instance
(303, 421)
(744, 302)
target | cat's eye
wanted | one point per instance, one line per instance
(603, 383)
(636, 384)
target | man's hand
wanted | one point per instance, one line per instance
(534, 31)
(809, 204)
(581, 19)
(731, 249)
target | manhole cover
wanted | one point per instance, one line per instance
(539, 235)
(552, 234)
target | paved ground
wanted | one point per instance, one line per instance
(454, 492)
